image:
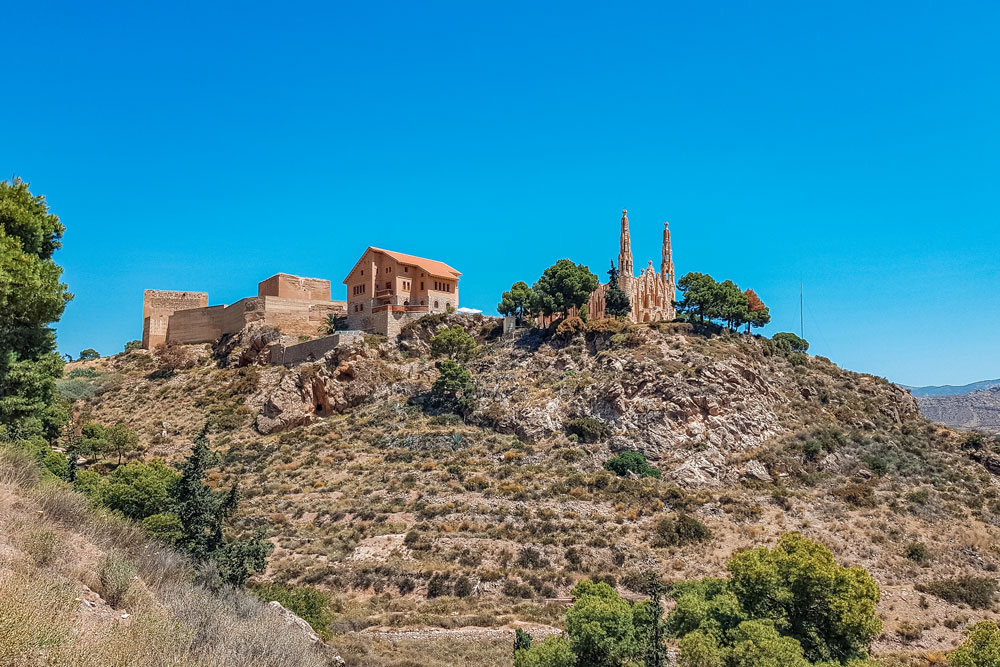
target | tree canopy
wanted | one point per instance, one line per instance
(706, 300)
(31, 298)
(616, 301)
(516, 301)
(804, 608)
(790, 341)
(563, 286)
(453, 342)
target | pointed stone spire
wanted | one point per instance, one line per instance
(667, 264)
(625, 254)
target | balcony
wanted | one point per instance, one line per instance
(396, 308)
(382, 293)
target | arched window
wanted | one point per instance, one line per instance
(435, 304)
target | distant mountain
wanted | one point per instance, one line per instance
(978, 410)
(951, 390)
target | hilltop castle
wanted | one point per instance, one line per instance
(651, 294)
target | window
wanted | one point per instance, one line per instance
(406, 269)
(421, 284)
(362, 306)
(362, 272)
(435, 304)
(388, 285)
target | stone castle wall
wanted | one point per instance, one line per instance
(185, 318)
(159, 305)
(287, 286)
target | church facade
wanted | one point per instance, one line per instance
(650, 293)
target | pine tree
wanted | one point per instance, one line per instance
(616, 301)
(198, 508)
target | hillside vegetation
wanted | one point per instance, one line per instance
(416, 512)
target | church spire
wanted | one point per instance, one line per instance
(667, 263)
(625, 254)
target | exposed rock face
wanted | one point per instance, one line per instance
(344, 377)
(700, 407)
(979, 410)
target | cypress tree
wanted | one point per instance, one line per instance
(616, 301)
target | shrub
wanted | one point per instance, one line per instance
(41, 546)
(586, 429)
(680, 529)
(313, 605)
(569, 327)
(857, 494)
(166, 527)
(133, 345)
(89, 354)
(629, 461)
(173, 358)
(977, 592)
(980, 649)
(531, 558)
(553, 651)
(89, 373)
(917, 552)
(463, 586)
(789, 342)
(438, 585)
(117, 573)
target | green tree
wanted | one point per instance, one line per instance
(553, 651)
(650, 626)
(563, 286)
(516, 301)
(89, 354)
(133, 345)
(631, 462)
(758, 644)
(790, 342)
(522, 640)
(93, 439)
(454, 386)
(202, 513)
(453, 342)
(981, 647)
(31, 298)
(729, 304)
(121, 440)
(616, 301)
(238, 560)
(828, 608)
(139, 490)
(197, 507)
(601, 627)
(699, 293)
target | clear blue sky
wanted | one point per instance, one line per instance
(854, 146)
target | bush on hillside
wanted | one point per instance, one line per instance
(586, 429)
(631, 462)
(311, 604)
(977, 592)
(680, 529)
(980, 649)
(789, 342)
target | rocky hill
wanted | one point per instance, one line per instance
(976, 410)
(415, 518)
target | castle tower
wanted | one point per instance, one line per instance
(625, 254)
(667, 264)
